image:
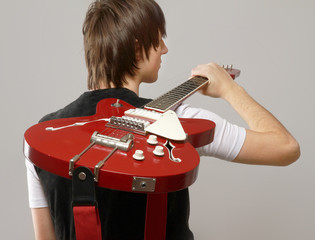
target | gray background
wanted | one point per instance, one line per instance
(272, 42)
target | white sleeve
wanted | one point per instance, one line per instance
(228, 138)
(36, 195)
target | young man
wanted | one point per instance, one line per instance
(124, 44)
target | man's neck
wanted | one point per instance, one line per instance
(132, 86)
(131, 83)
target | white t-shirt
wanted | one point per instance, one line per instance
(227, 143)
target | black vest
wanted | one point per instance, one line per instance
(122, 214)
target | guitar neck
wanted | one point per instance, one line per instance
(176, 95)
(183, 91)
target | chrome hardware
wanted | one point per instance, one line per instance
(125, 143)
(128, 123)
(117, 104)
(142, 184)
(101, 163)
(77, 158)
(227, 67)
(82, 176)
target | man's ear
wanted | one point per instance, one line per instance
(138, 51)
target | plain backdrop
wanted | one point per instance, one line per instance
(272, 41)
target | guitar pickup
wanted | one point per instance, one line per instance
(143, 114)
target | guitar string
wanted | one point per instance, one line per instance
(101, 163)
(113, 150)
(179, 78)
(171, 80)
(176, 94)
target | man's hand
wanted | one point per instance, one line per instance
(220, 82)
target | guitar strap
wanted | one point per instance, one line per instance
(84, 204)
(85, 207)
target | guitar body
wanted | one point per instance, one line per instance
(52, 151)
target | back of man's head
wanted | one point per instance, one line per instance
(114, 30)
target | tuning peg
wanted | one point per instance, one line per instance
(228, 67)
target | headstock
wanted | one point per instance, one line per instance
(234, 73)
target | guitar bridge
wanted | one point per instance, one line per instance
(130, 124)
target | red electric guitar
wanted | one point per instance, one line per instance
(145, 150)
(128, 149)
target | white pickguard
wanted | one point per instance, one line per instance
(168, 126)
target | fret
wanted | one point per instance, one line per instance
(183, 91)
(176, 95)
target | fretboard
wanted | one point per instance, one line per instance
(176, 95)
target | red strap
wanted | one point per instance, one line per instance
(156, 217)
(87, 223)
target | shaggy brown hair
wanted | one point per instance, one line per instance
(111, 30)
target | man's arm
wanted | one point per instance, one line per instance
(267, 140)
(42, 221)
(43, 225)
